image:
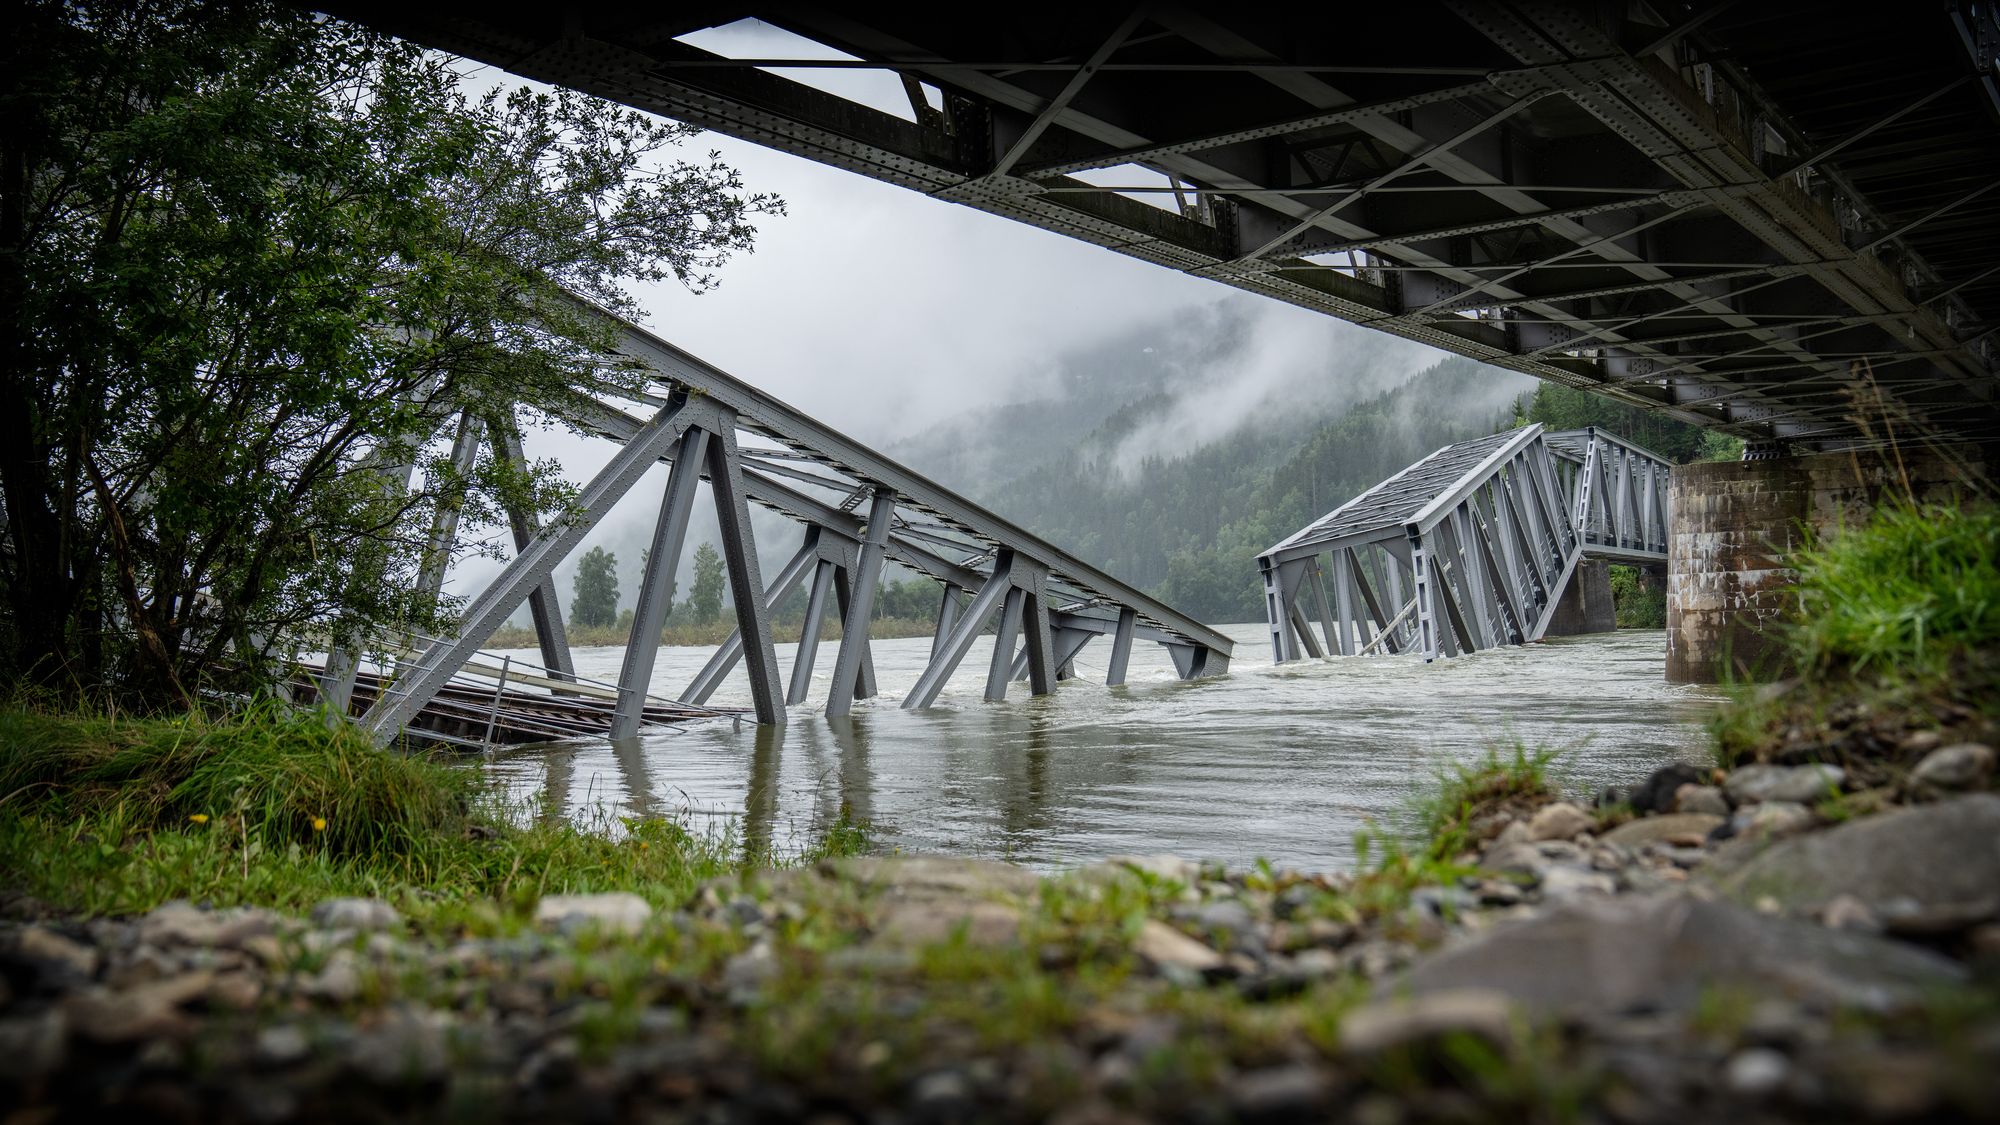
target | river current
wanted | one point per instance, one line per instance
(1284, 763)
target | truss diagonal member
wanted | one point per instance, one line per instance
(1285, 127)
(952, 652)
(543, 604)
(724, 660)
(746, 584)
(1070, 90)
(396, 706)
(860, 607)
(1422, 158)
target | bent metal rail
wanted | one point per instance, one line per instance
(752, 449)
(1469, 548)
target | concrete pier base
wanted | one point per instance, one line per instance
(1736, 526)
(1585, 605)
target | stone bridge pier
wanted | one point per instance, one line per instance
(1736, 527)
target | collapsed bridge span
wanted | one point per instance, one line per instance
(1469, 548)
(858, 509)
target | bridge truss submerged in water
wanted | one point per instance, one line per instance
(860, 510)
(1469, 548)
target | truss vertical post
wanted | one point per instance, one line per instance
(336, 682)
(1343, 600)
(1392, 580)
(1277, 611)
(543, 604)
(953, 651)
(1478, 590)
(1317, 581)
(1040, 642)
(843, 596)
(861, 605)
(724, 659)
(1002, 667)
(1121, 646)
(746, 583)
(1421, 571)
(947, 616)
(436, 665)
(656, 589)
(802, 664)
(444, 522)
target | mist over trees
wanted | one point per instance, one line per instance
(251, 261)
(1188, 528)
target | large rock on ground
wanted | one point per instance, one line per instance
(1933, 856)
(930, 876)
(1603, 957)
(1656, 829)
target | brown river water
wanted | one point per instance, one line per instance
(1284, 763)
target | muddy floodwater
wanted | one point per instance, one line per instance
(1283, 763)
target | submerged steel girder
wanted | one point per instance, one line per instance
(1467, 549)
(859, 510)
(1774, 219)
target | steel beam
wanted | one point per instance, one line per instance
(746, 583)
(860, 610)
(444, 657)
(947, 658)
(816, 607)
(656, 587)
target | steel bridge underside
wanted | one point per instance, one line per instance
(1470, 548)
(858, 511)
(1743, 215)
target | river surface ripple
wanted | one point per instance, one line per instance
(1281, 763)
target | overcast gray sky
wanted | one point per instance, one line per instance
(882, 311)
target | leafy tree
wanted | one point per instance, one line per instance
(705, 595)
(595, 604)
(251, 261)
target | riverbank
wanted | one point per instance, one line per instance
(1697, 950)
(1806, 929)
(709, 633)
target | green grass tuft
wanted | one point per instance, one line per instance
(1467, 796)
(268, 808)
(1901, 595)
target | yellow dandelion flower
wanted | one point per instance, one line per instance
(199, 818)
(643, 845)
(319, 824)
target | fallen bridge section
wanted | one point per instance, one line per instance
(1470, 548)
(858, 511)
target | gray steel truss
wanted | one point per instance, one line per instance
(859, 511)
(1768, 218)
(1467, 549)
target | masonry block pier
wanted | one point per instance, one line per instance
(1738, 524)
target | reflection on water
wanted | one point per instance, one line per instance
(1279, 762)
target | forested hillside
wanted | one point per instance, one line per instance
(1188, 525)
